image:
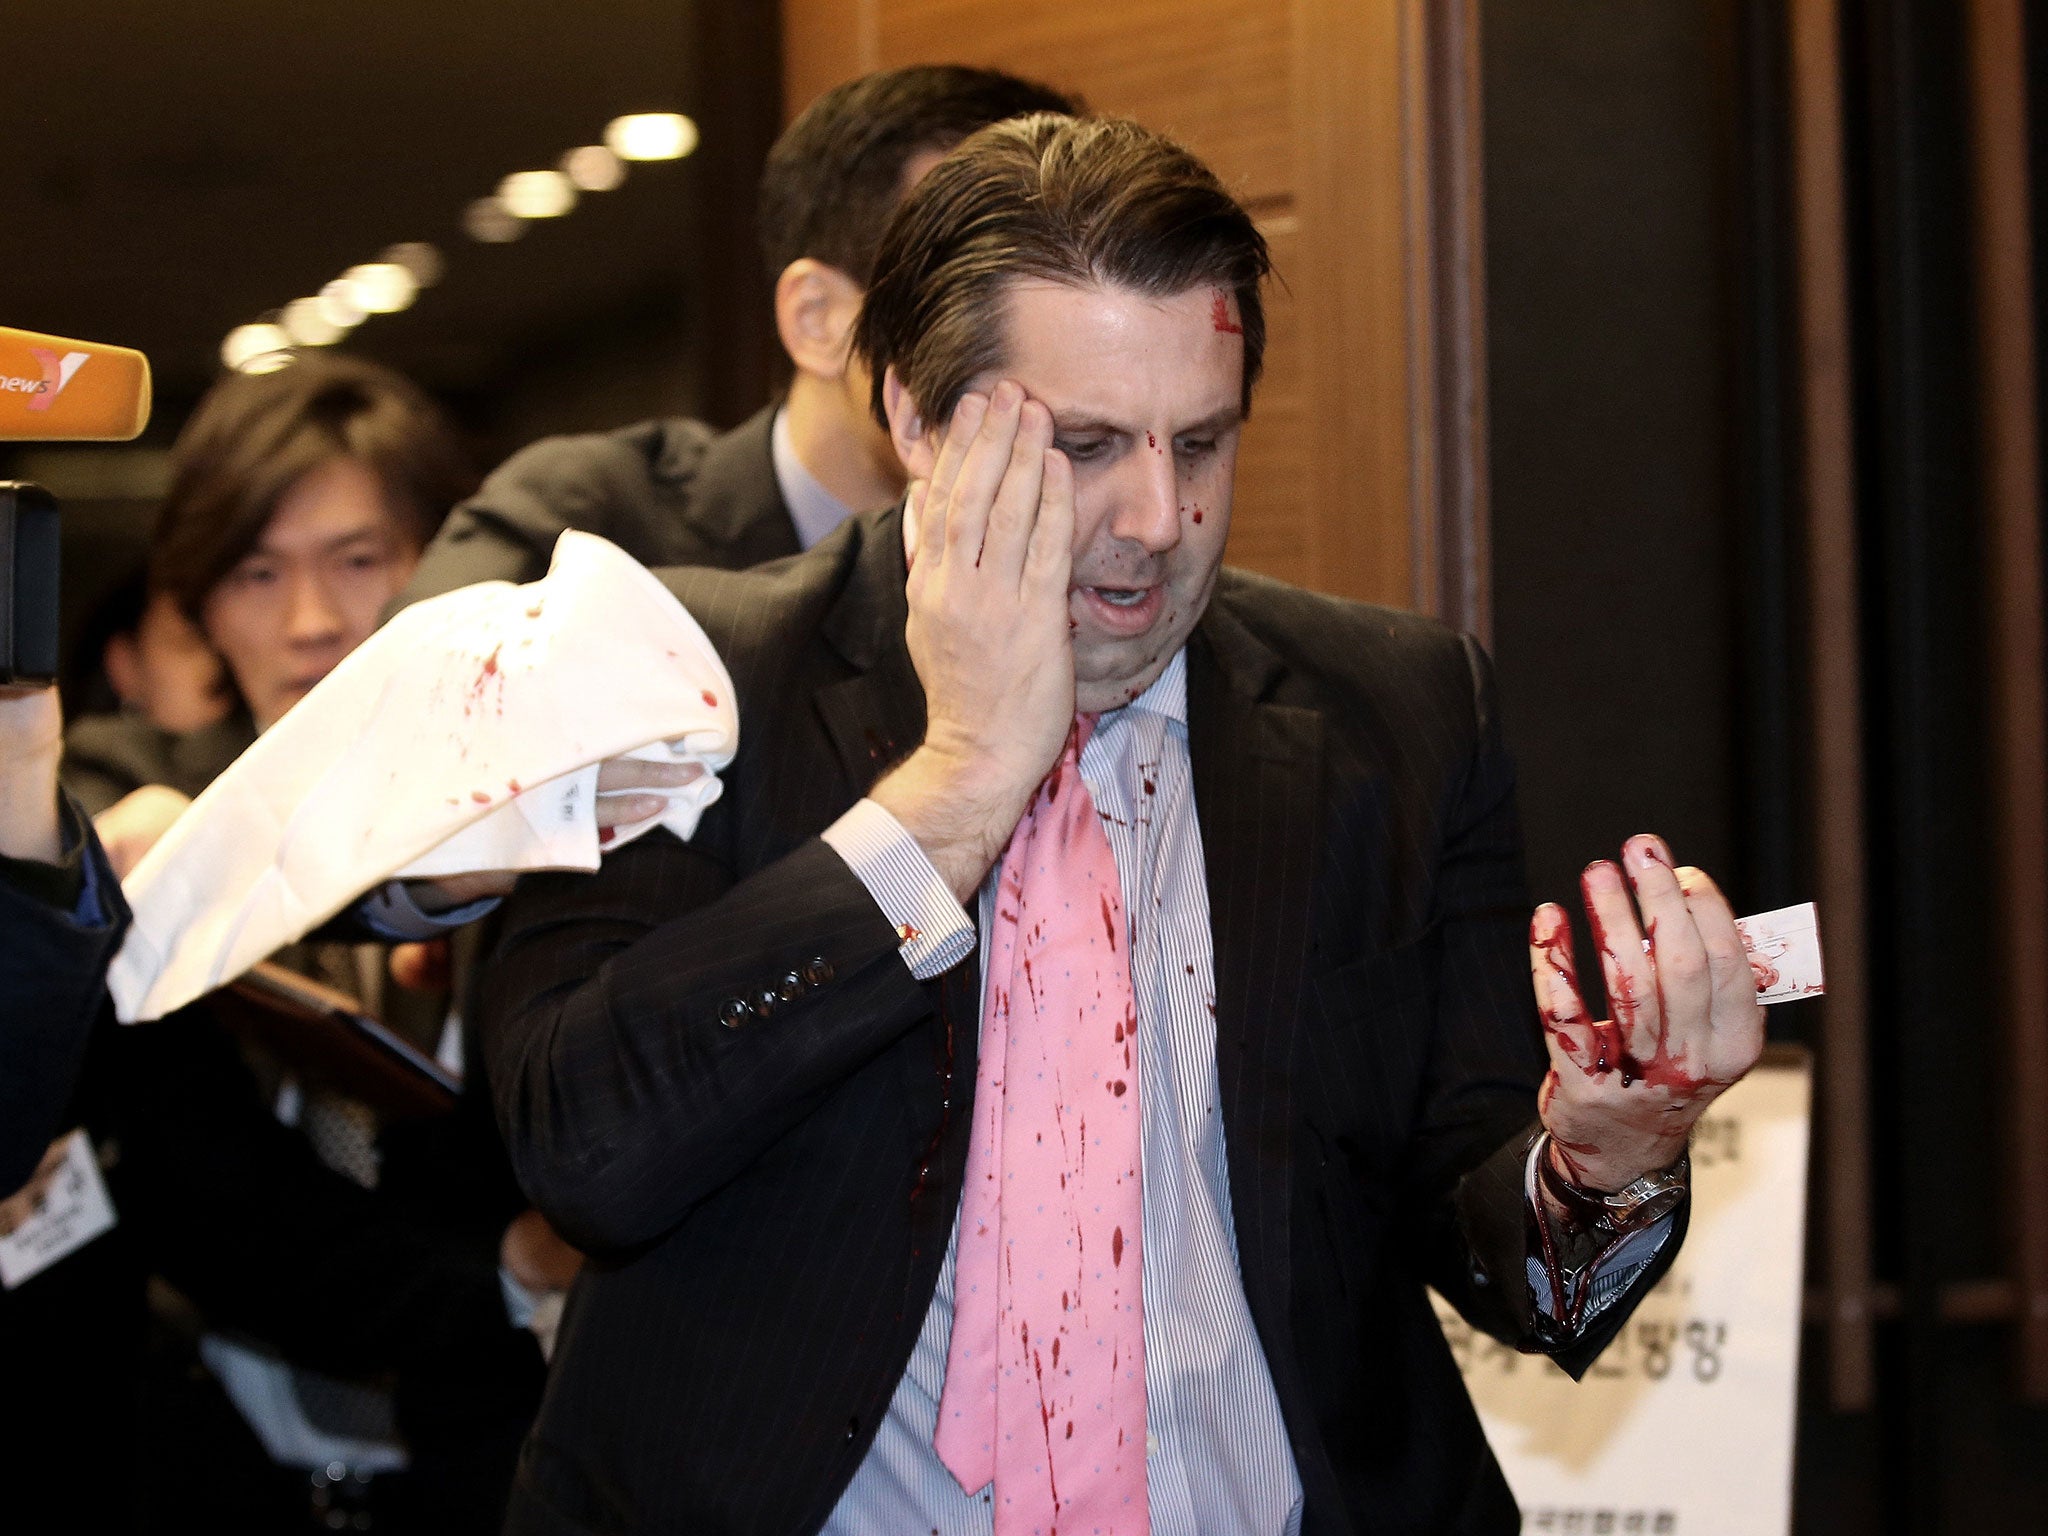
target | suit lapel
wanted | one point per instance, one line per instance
(875, 716)
(1258, 797)
(735, 501)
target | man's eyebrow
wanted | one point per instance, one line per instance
(265, 550)
(1216, 421)
(1082, 426)
(1220, 420)
(340, 542)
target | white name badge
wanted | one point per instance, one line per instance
(71, 1210)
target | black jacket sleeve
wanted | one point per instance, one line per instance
(628, 1084)
(1487, 1052)
(55, 947)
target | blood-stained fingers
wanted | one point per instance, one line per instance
(1553, 970)
(1737, 1017)
(1631, 980)
(1678, 957)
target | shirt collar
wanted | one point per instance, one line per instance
(814, 510)
(1168, 694)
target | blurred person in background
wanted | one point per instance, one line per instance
(138, 652)
(175, 719)
(354, 1280)
(673, 491)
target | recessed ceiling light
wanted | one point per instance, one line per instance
(486, 220)
(536, 194)
(247, 346)
(421, 258)
(338, 304)
(594, 168)
(651, 136)
(381, 287)
(306, 322)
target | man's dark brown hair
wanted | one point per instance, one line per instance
(1071, 200)
(835, 175)
(255, 436)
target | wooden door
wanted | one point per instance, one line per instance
(1348, 129)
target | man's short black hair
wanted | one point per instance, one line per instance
(255, 436)
(836, 174)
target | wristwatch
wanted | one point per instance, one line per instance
(1632, 1207)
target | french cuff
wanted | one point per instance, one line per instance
(392, 914)
(933, 930)
(1613, 1273)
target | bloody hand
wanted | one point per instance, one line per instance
(1623, 1092)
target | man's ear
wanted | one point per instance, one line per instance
(915, 446)
(815, 307)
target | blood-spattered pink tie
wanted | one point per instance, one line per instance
(1045, 1375)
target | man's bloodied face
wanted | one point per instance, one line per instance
(1146, 399)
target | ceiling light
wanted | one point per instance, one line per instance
(267, 362)
(594, 168)
(338, 304)
(248, 345)
(381, 287)
(536, 194)
(306, 322)
(651, 136)
(486, 220)
(419, 257)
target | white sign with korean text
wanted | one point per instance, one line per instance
(1684, 1426)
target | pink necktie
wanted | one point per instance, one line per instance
(1045, 1375)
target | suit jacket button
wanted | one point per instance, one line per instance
(732, 1013)
(818, 971)
(790, 987)
(765, 1001)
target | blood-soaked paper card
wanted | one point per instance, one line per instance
(1784, 951)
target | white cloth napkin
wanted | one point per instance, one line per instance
(463, 736)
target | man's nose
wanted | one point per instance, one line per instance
(311, 615)
(1148, 504)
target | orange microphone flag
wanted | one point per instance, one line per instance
(53, 389)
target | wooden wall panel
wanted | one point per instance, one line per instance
(1212, 73)
(1272, 529)
(1323, 117)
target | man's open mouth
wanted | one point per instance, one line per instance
(1122, 597)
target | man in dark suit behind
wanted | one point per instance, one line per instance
(749, 1074)
(674, 492)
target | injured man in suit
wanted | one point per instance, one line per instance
(1038, 1096)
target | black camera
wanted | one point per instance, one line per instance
(28, 583)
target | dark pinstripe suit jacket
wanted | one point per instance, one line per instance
(770, 1203)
